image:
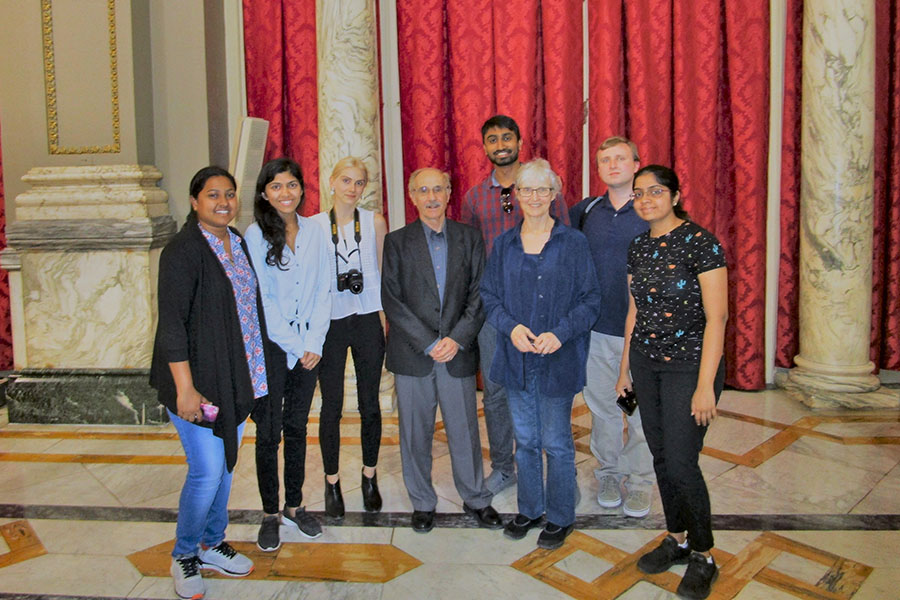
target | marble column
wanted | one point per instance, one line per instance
(349, 124)
(833, 367)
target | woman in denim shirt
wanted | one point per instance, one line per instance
(541, 293)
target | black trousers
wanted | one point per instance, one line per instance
(664, 392)
(292, 415)
(364, 335)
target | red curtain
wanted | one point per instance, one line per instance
(6, 353)
(885, 332)
(462, 61)
(280, 51)
(688, 81)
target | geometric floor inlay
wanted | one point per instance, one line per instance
(841, 581)
(359, 563)
(22, 541)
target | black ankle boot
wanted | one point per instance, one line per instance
(334, 500)
(371, 497)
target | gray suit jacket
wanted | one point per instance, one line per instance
(411, 303)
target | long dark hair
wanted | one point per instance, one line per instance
(667, 177)
(268, 219)
(198, 182)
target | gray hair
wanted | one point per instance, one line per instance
(539, 168)
(411, 186)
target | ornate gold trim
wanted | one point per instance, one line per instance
(50, 85)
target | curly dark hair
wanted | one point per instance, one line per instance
(268, 219)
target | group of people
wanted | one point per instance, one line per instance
(621, 293)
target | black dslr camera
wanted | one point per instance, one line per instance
(351, 280)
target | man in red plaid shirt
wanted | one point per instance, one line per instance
(492, 208)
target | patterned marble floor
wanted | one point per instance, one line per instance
(806, 505)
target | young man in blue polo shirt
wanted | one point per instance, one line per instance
(610, 223)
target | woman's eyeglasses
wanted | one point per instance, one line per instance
(542, 192)
(654, 192)
(505, 203)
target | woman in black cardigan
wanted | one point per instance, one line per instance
(212, 364)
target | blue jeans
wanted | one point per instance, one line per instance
(203, 506)
(544, 423)
(497, 419)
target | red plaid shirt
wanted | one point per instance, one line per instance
(481, 208)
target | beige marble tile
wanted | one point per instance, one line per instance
(438, 581)
(100, 537)
(799, 568)
(30, 445)
(644, 590)
(873, 548)
(860, 429)
(228, 589)
(882, 583)
(876, 458)
(584, 566)
(760, 591)
(135, 447)
(736, 436)
(136, 484)
(772, 405)
(77, 488)
(884, 497)
(15, 475)
(72, 574)
(629, 540)
(734, 541)
(463, 546)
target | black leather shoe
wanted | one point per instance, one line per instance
(487, 516)
(422, 521)
(371, 497)
(334, 500)
(518, 526)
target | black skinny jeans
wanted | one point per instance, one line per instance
(664, 392)
(364, 335)
(270, 417)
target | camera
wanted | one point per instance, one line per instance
(351, 280)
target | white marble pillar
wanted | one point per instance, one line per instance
(349, 124)
(836, 204)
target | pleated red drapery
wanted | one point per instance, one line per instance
(688, 82)
(462, 61)
(280, 51)
(885, 331)
(6, 352)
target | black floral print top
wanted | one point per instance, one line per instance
(670, 318)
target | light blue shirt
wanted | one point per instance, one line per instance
(297, 297)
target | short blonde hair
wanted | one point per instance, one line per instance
(411, 186)
(615, 141)
(539, 168)
(349, 162)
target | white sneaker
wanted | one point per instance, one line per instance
(637, 504)
(226, 560)
(188, 581)
(609, 496)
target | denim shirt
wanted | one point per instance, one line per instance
(296, 297)
(556, 291)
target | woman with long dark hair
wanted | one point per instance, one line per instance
(212, 364)
(674, 336)
(355, 240)
(293, 269)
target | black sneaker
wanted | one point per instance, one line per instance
(553, 536)
(302, 520)
(268, 539)
(663, 557)
(698, 578)
(519, 525)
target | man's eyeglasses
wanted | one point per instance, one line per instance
(542, 192)
(654, 192)
(437, 190)
(505, 203)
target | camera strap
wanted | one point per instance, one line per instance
(357, 235)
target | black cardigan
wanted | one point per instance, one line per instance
(198, 322)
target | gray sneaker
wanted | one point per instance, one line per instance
(186, 575)
(609, 496)
(226, 560)
(302, 520)
(498, 481)
(268, 539)
(637, 504)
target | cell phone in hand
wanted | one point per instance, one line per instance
(210, 412)
(628, 403)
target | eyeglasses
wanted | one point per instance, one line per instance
(654, 192)
(542, 192)
(438, 189)
(505, 203)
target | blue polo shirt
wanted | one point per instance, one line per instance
(609, 232)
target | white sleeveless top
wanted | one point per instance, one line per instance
(346, 303)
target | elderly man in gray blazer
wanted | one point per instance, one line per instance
(429, 289)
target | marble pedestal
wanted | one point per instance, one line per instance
(83, 257)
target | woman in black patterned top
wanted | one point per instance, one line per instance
(674, 335)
